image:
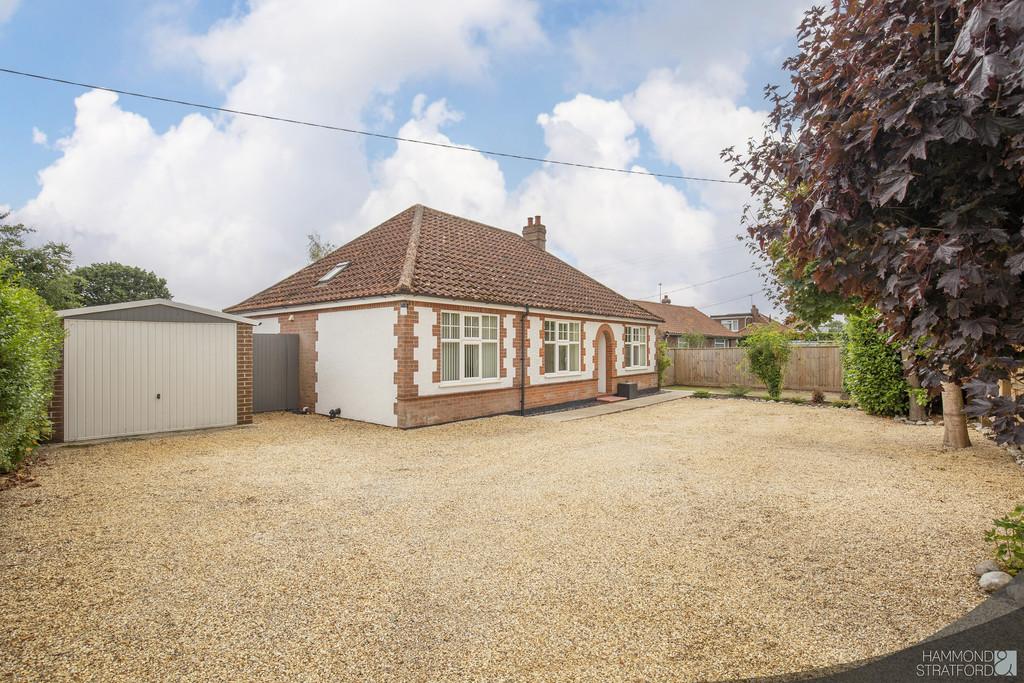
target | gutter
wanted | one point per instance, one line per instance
(522, 361)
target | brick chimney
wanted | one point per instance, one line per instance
(535, 233)
(666, 300)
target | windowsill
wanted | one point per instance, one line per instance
(563, 374)
(636, 369)
(469, 382)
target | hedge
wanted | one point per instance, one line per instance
(872, 369)
(31, 337)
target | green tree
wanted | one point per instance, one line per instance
(317, 247)
(114, 283)
(767, 352)
(872, 369)
(796, 290)
(664, 360)
(693, 340)
(46, 269)
(31, 336)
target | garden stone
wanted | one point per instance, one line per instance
(993, 581)
(985, 567)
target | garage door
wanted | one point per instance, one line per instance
(130, 377)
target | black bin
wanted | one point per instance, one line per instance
(627, 390)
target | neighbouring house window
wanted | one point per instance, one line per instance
(733, 325)
(636, 347)
(720, 343)
(469, 347)
(561, 346)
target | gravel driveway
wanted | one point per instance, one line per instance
(690, 540)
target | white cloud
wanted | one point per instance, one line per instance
(38, 137)
(7, 9)
(220, 205)
(610, 225)
(464, 183)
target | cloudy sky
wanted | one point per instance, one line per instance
(220, 205)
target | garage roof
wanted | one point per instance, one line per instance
(160, 310)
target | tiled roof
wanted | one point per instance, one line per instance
(686, 320)
(755, 316)
(431, 253)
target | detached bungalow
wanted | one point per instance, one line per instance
(429, 318)
(683, 320)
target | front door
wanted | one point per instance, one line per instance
(602, 363)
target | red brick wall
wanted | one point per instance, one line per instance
(430, 410)
(56, 410)
(405, 356)
(243, 376)
(304, 325)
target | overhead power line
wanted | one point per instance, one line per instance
(698, 284)
(728, 301)
(356, 131)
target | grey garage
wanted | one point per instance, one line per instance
(151, 366)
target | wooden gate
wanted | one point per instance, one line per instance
(275, 372)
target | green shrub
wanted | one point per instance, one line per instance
(702, 394)
(31, 336)
(1008, 535)
(664, 361)
(737, 390)
(767, 349)
(817, 396)
(872, 370)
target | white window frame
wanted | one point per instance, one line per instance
(720, 343)
(468, 331)
(732, 324)
(634, 338)
(563, 334)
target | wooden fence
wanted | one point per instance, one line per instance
(809, 368)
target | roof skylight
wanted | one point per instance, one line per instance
(333, 271)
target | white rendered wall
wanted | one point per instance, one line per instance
(267, 326)
(355, 367)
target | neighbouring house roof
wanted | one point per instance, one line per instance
(422, 251)
(685, 320)
(756, 318)
(111, 311)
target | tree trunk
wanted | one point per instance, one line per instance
(917, 412)
(953, 417)
(1005, 389)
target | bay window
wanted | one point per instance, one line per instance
(635, 340)
(561, 346)
(469, 347)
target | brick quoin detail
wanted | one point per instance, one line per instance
(304, 324)
(56, 410)
(405, 357)
(243, 376)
